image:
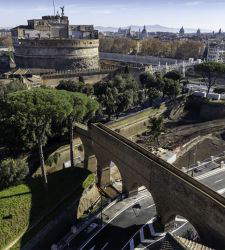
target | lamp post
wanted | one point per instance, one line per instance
(101, 210)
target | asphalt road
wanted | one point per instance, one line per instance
(215, 182)
(122, 227)
(115, 234)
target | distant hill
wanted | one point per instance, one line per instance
(5, 28)
(150, 28)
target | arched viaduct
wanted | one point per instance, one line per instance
(174, 192)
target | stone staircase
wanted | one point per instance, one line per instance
(145, 240)
(188, 244)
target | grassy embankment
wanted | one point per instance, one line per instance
(22, 206)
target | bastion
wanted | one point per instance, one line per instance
(60, 54)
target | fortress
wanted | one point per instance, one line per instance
(51, 43)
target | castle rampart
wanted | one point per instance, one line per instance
(60, 54)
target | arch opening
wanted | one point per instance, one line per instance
(115, 177)
(182, 227)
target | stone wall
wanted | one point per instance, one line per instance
(90, 79)
(138, 59)
(60, 54)
(136, 123)
(89, 197)
(174, 192)
(212, 110)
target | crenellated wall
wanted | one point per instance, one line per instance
(60, 54)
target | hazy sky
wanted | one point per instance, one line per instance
(207, 14)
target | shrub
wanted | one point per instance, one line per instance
(88, 181)
(219, 90)
(12, 172)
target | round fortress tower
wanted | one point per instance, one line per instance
(60, 54)
(52, 43)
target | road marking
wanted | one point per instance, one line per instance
(218, 181)
(117, 214)
(105, 246)
(211, 173)
(151, 206)
(221, 191)
(180, 219)
(204, 176)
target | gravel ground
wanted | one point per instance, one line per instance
(176, 136)
(202, 151)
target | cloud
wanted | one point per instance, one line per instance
(193, 3)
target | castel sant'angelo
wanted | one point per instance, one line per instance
(52, 43)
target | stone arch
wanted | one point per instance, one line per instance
(88, 155)
(171, 215)
(115, 177)
(179, 221)
(104, 164)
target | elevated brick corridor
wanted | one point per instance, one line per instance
(174, 192)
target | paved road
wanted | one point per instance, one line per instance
(126, 223)
(123, 226)
(215, 181)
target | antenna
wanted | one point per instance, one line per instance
(53, 1)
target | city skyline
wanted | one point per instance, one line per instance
(174, 14)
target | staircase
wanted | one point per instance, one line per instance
(191, 244)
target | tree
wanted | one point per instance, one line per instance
(12, 86)
(172, 49)
(210, 71)
(147, 80)
(83, 108)
(12, 172)
(73, 86)
(117, 95)
(121, 45)
(153, 94)
(174, 75)
(124, 101)
(31, 112)
(172, 88)
(157, 127)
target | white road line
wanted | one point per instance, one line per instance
(117, 214)
(218, 181)
(221, 191)
(211, 173)
(204, 176)
(105, 246)
(180, 219)
(151, 206)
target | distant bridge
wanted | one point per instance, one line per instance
(174, 192)
(154, 64)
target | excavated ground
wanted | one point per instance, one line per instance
(178, 134)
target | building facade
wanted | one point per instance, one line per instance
(216, 52)
(52, 43)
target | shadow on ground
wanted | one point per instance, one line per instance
(64, 192)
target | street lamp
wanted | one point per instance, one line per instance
(136, 206)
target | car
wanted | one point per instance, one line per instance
(91, 227)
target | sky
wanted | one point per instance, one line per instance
(206, 14)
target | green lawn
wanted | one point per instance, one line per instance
(22, 206)
(148, 113)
